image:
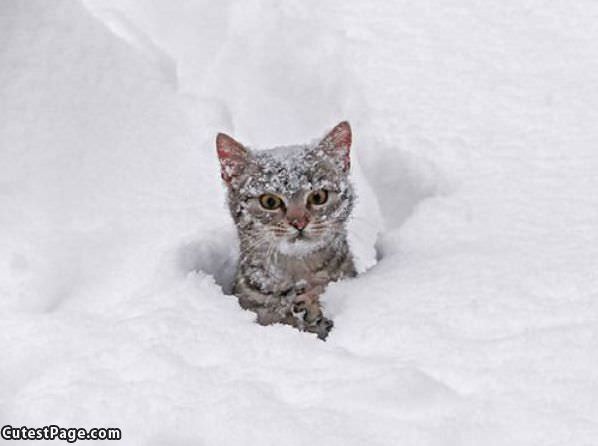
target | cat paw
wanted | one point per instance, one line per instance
(321, 327)
(307, 312)
(307, 306)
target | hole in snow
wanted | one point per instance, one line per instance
(399, 180)
(389, 185)
(215, 255)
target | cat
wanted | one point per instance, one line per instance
(290, 205)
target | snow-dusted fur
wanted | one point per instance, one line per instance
(289, 254)
(475, 161)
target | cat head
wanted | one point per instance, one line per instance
(295, 198)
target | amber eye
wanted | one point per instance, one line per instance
(318, 197)
(270, 202)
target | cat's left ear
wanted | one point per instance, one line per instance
(337, 143)
(232, 155)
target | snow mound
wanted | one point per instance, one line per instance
(474, 320)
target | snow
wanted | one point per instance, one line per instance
(474, 129)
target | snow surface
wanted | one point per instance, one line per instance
(475, 135)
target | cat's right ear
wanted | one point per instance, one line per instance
(232, 155)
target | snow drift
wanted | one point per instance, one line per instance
(476, 169)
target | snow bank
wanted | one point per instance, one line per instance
(474, 132)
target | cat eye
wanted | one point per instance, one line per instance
(270, 202)
(318, 197)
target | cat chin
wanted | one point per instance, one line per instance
(298, 248)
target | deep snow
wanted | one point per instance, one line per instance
(475, 143)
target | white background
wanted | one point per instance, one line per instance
(476, 162)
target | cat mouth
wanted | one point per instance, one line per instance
(299, 236)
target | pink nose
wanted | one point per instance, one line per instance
(299, 223)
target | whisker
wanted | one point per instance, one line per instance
(252, 247)
(254, 241)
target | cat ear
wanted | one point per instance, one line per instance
(337, 143)
(232, 155)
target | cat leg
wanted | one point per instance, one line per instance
(302, 311)
(269, 310)
(275, 315)
(308, 311)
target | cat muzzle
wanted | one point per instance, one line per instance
(299, 223)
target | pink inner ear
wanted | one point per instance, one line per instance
(232, 156)
(339, 139)
(341, 135)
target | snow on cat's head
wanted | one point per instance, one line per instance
(294, 199)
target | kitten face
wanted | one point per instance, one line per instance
(292, 199)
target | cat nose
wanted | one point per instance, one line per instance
(299, 223)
